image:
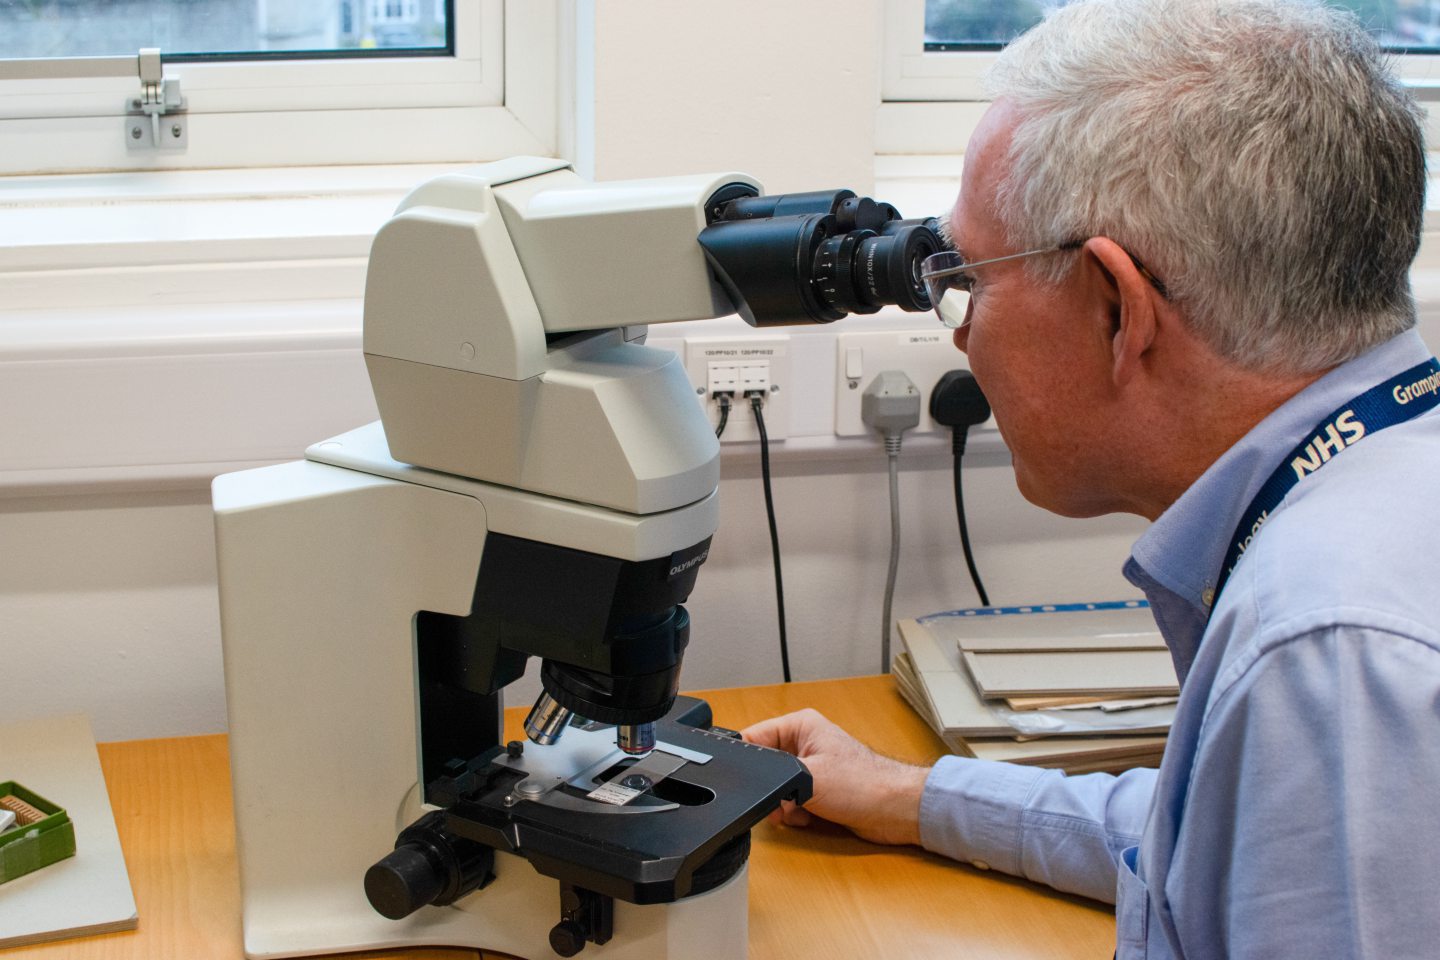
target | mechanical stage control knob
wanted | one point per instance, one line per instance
(567, 938)
(403, 882)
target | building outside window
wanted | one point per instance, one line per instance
(234, 28)
(952, 25)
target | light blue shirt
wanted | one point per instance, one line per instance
(1296, 812)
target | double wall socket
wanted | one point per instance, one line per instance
(759, 364)
(925, 356)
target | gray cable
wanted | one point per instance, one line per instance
(892, 450)
(890, 406)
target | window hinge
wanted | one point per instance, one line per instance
(156, 120)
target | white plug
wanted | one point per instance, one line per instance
(891, 405)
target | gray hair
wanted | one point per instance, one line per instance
(1256, 155)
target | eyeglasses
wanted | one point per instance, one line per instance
(947, 279)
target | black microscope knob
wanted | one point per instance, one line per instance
(403, 882)
(567, 938)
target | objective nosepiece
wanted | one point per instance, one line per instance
(635, 737)
(547, 720)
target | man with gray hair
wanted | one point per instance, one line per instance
(1180, 270)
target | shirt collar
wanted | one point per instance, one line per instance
(1183, 549)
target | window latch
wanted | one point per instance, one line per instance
(156, 120)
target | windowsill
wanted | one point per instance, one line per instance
(98, 241)
(171, 185)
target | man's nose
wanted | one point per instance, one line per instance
(962, 337)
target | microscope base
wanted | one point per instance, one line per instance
(513, 915)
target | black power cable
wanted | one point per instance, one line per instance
(755, 402)
(958, 403)
(958, 446)
(724, 401)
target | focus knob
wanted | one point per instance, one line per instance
(403, 882)
(567, 938)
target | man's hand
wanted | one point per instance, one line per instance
(875, 796)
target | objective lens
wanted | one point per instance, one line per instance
(635, 738)
(546, 721)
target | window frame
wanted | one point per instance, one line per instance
(908, 75)
(476, 104)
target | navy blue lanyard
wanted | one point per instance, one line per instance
(1402, 397)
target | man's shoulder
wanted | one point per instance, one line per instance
(1358, 541)
(1388, 482)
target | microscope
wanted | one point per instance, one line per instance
(540, 484)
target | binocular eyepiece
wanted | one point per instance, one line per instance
(815, 257)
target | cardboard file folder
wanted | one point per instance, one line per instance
(931, 674)
(1121, 673)
(1062, 643)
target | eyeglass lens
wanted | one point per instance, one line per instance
(947, 293)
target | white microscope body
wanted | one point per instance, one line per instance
(540, 484)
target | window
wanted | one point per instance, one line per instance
(220, 29)
(937, 51)
(272, 83)
(953, 25)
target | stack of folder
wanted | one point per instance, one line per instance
(1079, 687)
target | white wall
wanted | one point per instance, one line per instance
(107, 607)
(834, 526)
(783, 91)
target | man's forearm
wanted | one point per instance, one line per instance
(1066, 832)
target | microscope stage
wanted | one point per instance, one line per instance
(654, 830)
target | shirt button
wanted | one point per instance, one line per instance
(979, 864)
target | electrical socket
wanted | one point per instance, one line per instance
(924, 355)
(740, 365)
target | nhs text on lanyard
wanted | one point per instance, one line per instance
(1402, 397)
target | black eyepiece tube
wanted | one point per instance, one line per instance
(765, 267)
(816, 257)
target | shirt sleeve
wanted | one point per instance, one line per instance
(1312, 827)
(1040, 824)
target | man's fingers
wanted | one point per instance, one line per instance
(791, 732)
(797, 816)
(790, 814)
(766, 733)
(781, 733)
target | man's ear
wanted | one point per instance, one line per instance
(1134, 320)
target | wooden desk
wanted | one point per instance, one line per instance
(817, 892)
